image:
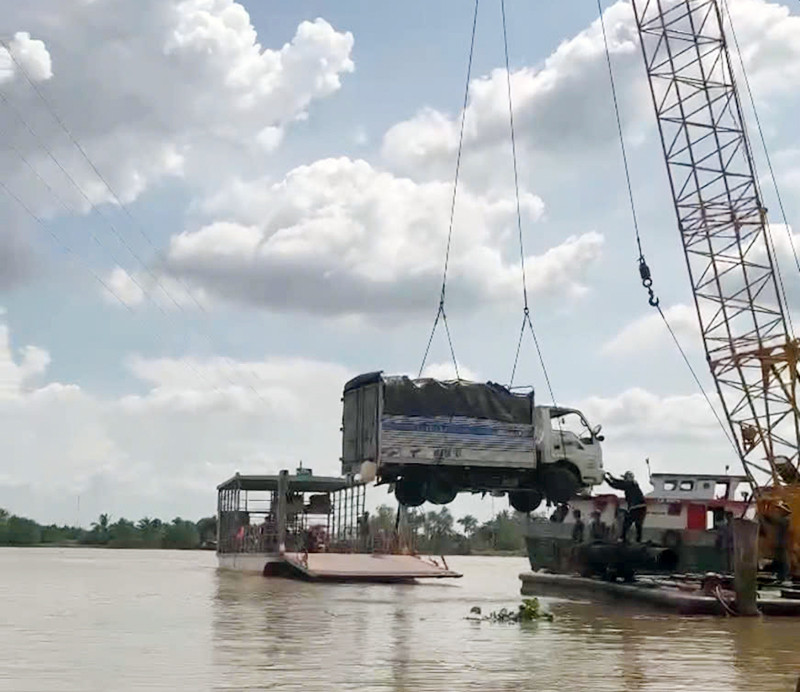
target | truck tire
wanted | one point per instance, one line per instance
(440, 492)
(560, 484)
(525, 500)
(409, 492)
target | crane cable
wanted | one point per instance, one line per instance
(768, 159)
(440, 312)
(644, 270)
(526, 316)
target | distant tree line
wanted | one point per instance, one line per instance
(438, 532)
(146, 533)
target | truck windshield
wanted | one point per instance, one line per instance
(573, 424)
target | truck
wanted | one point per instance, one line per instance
(432, 439)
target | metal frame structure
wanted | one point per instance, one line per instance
(729, 253)
(270, 514)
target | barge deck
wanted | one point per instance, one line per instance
(658, 593)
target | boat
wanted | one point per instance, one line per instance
(310, 527)
(689, 513)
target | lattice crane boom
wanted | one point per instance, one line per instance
(737, 287)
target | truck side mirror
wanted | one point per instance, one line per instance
(596, 430)
(599, 438)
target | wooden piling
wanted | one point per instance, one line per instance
(283, 492)
(745, 565)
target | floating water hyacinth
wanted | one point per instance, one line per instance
(529, 610)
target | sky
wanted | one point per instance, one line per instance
(214, 213)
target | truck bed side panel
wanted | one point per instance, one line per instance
(456, 441)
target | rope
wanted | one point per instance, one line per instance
(526, 316)
(440, 312)
(769, 165)
(644, 270)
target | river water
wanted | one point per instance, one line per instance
(86, 620)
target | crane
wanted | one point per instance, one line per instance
(738, 289)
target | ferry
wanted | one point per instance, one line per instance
(309, 527)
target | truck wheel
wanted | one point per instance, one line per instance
(439, 492)
(409, 492)
(560, 484)
(525, 500)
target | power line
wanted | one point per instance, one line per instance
(526, 317)
(9, 145)
(440, 312)
(92, 165)
(85, 196)
(120, 237)
(78, 259)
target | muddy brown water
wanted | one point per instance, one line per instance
(85, 620)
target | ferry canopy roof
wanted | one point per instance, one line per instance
(298, 484)
(700, 476)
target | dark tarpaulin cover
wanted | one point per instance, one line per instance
(403, 396)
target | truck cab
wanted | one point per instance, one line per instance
(571, 440)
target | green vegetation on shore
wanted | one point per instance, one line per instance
(435, 532)
(146, 533)
(440, 533)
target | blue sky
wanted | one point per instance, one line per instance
(330, 144)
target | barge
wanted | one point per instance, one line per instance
(688, 562)
(689, 513)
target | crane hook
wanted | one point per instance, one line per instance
(647, 281)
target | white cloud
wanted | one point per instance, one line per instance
(160, 89)
(163, 450)
(648, 332)
(447, 371)
(677, 433)
(24, 53)
(339, 236)
(155, 288)
(563, 112)
(769, 35)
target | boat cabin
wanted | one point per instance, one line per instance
(678, 502)
(266, 515)
(687, 512)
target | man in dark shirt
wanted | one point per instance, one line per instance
(634, 497)
(597, 529)
(578, 529)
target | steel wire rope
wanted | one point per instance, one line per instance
(94, 168)
(440, 312)
(85, 196)
(526, 317)
(644, 270)
(93, 235)
(81, 261)
(63, 245)
(768, 159)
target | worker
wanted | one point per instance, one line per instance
(578, 528)
(634, 497)
(597, 529)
